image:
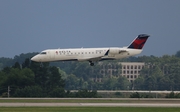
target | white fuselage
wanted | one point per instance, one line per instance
(85, 54)
(92, 54)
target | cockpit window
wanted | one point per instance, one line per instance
(43, 53)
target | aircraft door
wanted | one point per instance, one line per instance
(51, 54)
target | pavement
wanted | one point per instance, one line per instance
(89, 104)
(147, 102)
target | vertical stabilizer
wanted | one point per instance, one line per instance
(139, 41)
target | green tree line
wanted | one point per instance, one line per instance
(28, 79)
(160, 74)
(31, 80)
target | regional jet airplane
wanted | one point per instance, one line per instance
(92, 54)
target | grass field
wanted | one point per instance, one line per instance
(88, 109)
(80, 100)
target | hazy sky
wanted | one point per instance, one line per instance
(36, 25)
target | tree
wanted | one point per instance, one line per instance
(29, 91)
(20, 58)
(26, 63)
(6, 62)
(72, 82)
(177, 54)
(123, 83)
(86, 94)
(165, 83)
(57, 92)
(55, 79)
(139, 83)
(17, 65)
(18, 78)
(110, 83)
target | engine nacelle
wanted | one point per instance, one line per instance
(114, 51)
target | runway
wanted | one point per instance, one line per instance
(89, 105)
(88, 102)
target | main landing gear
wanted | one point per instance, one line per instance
(91, 63)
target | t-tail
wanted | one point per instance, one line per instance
(139, 41)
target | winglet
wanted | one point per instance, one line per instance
(139, 41)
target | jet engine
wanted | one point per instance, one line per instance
(114, 51)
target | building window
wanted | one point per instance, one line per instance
(131, 72)
(127, 72)
(139, 72)
(127, 76)
(124, 72)
(127, 67)
(124, 67)
(131, 67)
(135, 67)
(135, 72)
(131, 76)
(135, 76)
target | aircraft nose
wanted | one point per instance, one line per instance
(35, 58)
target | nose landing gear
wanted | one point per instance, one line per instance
(41, 65)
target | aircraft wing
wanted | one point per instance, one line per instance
(93, 59)
(98, 58)
(90, 58)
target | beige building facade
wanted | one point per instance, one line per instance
(130, 70)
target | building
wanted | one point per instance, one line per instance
(130, 70)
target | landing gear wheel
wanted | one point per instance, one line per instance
(92, 64)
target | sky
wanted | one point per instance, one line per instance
(35, 25)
